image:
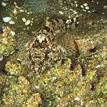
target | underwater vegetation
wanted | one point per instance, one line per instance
(53, 53)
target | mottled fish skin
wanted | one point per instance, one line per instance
(43, 51)
(87, 16)
(77, 25)
(90, 14)
(87, 25)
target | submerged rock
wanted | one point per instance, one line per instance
(6, 19)
(7, 42)
(16, 91)
(14, 68)
(33, 101)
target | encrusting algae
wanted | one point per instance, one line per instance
(7, 42)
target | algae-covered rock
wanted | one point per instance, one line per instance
(15, 92)
(7, 42)
(2, 82)
(33, 101)
(14, 68)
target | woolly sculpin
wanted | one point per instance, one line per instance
(80, 18)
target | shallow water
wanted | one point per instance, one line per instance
(53, 53)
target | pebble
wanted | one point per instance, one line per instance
(27, 22)
(105, 7)
(3, 4)
(60, 12)
(85, 4)
(23, 19)
(21, 10)
(37, 87)
(74, 19)
(97, 2)
(77, 98)
(15, 11)
(11, 22)
(89, 11)
(82, 6)
(76, 5)
(54, 78)
(12, 33)
(87, 8)
(6, 19)
(84, 10)
(68, 21)
(100, 65)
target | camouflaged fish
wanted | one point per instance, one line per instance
(43, 50)
(88, 15)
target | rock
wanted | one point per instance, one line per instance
(27, 22)
(23, 19)
(16, 91)
(7, 42)
(12, 33)
(14, 68)
(3, 4)
(6, 19)
(33, 101)
(11, 22)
